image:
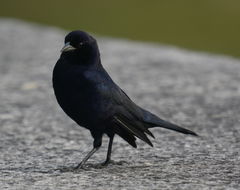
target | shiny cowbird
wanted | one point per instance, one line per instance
(89, 96)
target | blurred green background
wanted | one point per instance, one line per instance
(206, 25)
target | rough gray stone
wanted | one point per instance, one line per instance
(196, 90)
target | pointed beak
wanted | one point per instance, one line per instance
(67, 47)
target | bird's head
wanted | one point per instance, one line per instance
(80, 42)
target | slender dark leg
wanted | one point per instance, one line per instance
(109, 151)
(81, 165)
(96, 145)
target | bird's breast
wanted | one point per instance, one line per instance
(78, 95)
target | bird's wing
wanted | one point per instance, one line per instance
(126, 115)
(139, 120)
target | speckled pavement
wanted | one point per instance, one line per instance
(196, 90)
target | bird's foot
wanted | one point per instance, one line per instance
(68, 169)
(107, 162)
(97, 166)
(80, 166)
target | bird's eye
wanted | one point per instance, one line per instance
(81, 43)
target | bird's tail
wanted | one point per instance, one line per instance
(154, 121)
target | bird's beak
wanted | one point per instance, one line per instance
(67, 47)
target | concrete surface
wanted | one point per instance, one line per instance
(196, 90)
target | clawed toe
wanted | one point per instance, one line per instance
(79, 166)
(106, 163)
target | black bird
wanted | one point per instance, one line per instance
(89, 96)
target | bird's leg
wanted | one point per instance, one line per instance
(96, 145)
(108, 159)
(81, 164)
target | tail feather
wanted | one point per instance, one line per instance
(168, 125)
(155, 121)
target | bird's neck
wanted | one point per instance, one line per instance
(89, 55)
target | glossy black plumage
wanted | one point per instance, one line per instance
(89, 96)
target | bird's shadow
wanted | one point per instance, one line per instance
(113, 166)
(91, 166)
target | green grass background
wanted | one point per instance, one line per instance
(206, 25)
